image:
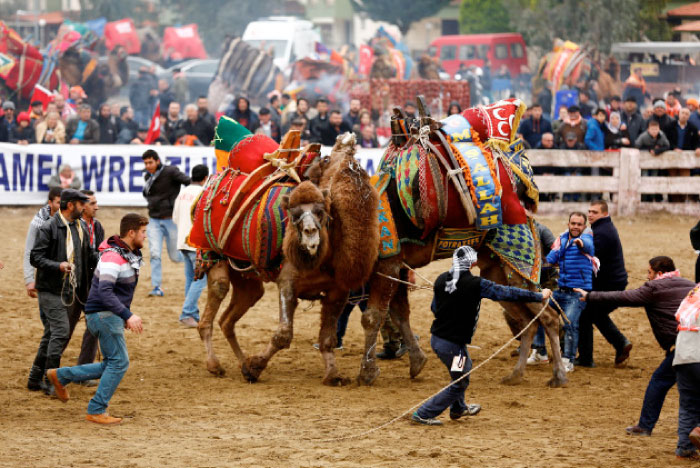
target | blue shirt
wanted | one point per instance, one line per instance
(681, 135)
(80, 131)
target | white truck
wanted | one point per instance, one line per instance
(290, 38)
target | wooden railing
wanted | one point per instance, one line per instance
(625, 187)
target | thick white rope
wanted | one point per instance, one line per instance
(405, 413)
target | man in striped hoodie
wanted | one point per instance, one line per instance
(107, 314)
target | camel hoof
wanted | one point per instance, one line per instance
(556, 382)
(336, 381)
(418, 361)
(512, 380)
(368, 376)
(252, 367)
(215, 368)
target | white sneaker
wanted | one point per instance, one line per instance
(568, 365)
(537, 358)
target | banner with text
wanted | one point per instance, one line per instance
(114, 172)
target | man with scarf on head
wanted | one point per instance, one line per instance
(660, 296)
(63, 260)
(456, 304)
(161, 189)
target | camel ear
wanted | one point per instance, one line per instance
(284, 202)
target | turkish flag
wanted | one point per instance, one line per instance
(366, 56)
(154, 129)
(42, 94)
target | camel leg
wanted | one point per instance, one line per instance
(254, 365)
(550, 321)
(381, 292)
(246, 292)
(332, 307)
(217, 288)
(400, 311)
(522, 314)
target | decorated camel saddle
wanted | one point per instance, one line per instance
(240, 215)
(463, 179)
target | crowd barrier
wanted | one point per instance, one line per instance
(115, 173)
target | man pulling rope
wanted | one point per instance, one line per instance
(456, 305)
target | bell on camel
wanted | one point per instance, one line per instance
(228, 134)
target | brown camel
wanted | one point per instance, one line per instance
(99, 80)
(388, 295)
(330, 247)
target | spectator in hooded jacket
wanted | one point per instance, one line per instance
(595, 136)
(241, 113)
(660, 296)
(535, 126)
(23, 133)
(616, 134)
(573, 251)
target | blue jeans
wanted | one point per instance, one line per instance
(157, 230)
(538, 342)
(109, 330)
(453, 396)
(663, 378)
(689, 408)
(572, 306)
(193, 289)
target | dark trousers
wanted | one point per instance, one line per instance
(599, 315)
(453, 396)
(59, 322)
(343, 319)
(663, 378)
(697, 270)
(689, 409)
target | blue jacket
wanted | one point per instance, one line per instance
(595, 138)
(575, 269)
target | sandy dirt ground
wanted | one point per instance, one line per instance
(178, 415)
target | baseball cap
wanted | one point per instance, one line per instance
(69, 195)
(571, 136)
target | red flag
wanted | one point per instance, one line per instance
(42, 94)
(366, 56)
(154, 129)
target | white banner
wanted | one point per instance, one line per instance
(114, 172)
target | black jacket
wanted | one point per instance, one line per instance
(201, 128)
(50, 250)
(608, 248)
(329, 133)
(635, 124)
(162, 194)
(108, 130)
(690, 140)
(18, 133)
(456, 314)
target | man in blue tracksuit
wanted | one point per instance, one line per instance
(456, 304)
(573, 252)
(595, 136)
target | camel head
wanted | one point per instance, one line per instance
(306, 239)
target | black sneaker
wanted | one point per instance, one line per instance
(427, 421)
(579, 363)
(387, 354)
(470, 410)
(35, 385)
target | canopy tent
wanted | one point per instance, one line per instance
(183, 41)
(123, 33)
(656, 47)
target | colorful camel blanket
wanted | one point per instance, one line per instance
(519, 247)
(450, 239)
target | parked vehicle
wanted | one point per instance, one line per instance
(501, 49)
(290, 38)
(199, 74)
